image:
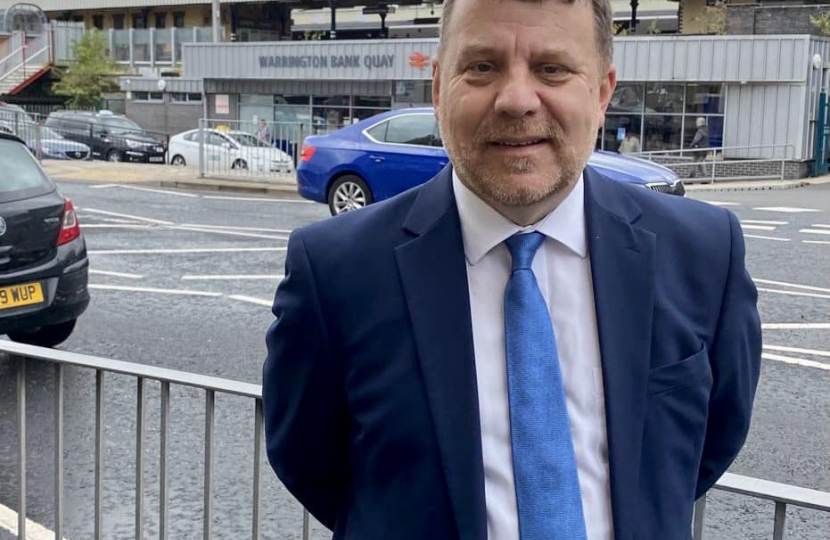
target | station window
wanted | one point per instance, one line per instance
(178, 19)
(118, 21)
(182, 97)
(98, 21)
(161, 20)
(148, 96)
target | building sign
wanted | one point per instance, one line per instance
(223, 105)
(359, 60)
(368, 61)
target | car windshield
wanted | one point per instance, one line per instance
(20, 170)
(246, 139)
(121, 125)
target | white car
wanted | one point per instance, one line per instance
(237, 150)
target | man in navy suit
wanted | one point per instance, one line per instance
(520, 349)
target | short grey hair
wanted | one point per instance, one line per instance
(603, 26)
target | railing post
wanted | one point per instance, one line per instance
(59, 451)
(780, 521)
(164, 436)
(208, 483)
(699, 518)
(111, 41)
(21, 447)
(202, 148)
(99, 455)
(306, 525)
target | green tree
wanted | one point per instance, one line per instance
(822, 22)
(89, 75)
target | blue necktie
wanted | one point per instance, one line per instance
(544, 465)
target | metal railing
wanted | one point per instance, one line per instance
(103, 367)
(262, 150)
(782, 494)
(76, 139)
(751, 162)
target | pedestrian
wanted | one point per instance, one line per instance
(630, 144)
(521, 348)
(700, 140)
(262, 132)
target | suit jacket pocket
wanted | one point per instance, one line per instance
(690, 371)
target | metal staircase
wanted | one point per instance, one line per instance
(23, 60)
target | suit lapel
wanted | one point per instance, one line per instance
(622, 264)
(434, 277)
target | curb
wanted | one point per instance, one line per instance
(711, 188)
(212, 185)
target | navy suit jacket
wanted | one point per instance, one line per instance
(369, 388)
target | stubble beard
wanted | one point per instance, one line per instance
(506, 186)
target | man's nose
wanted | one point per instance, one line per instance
(517, 96)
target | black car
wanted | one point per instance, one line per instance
(109, 136)
(43, 260)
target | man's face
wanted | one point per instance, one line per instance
(520, 92)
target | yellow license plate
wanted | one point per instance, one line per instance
(20, 295)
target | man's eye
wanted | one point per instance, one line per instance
(482, 67)
(552, 70)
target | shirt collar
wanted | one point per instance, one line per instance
(483, 228)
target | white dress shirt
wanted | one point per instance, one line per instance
(563, 270)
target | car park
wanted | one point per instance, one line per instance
(387, 154)
(43, 257)
(110, 137)
(228, 150)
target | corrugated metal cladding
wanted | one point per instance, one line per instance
(713, 58)
(333, 88)
(399, 59)
(766, 115)
(139, 84)
(68, 5)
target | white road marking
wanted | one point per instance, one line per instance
(786, 209)
(251, 300)
(795, 326)
(115, 274)
(256, 199)
(796, 361)
(152, 290)
(128, 216)
(792, 285)
(228, 228)
(230, 233)
(815, 242)
(234, 277)
(110, 220)
(821, 225)
(776, 238)
(104, 186)
(34, 531)
(745, 226)
(162, 191)
(815, 231)
(813, 352)
(115, 226)
(718, 203)
(178, 251)
(763, 222)
(793, 293)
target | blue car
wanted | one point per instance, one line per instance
(379, 157)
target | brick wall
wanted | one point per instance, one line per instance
(743, 169)
(767, 20)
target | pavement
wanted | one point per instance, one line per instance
(251, 182)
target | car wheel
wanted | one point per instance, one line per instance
(115, 156)
(239, 164)
(45, 336)
(178, 161)
(349, 192)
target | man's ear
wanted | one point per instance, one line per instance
(436, 85)
(607, 84)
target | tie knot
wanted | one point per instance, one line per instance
(523, 248)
